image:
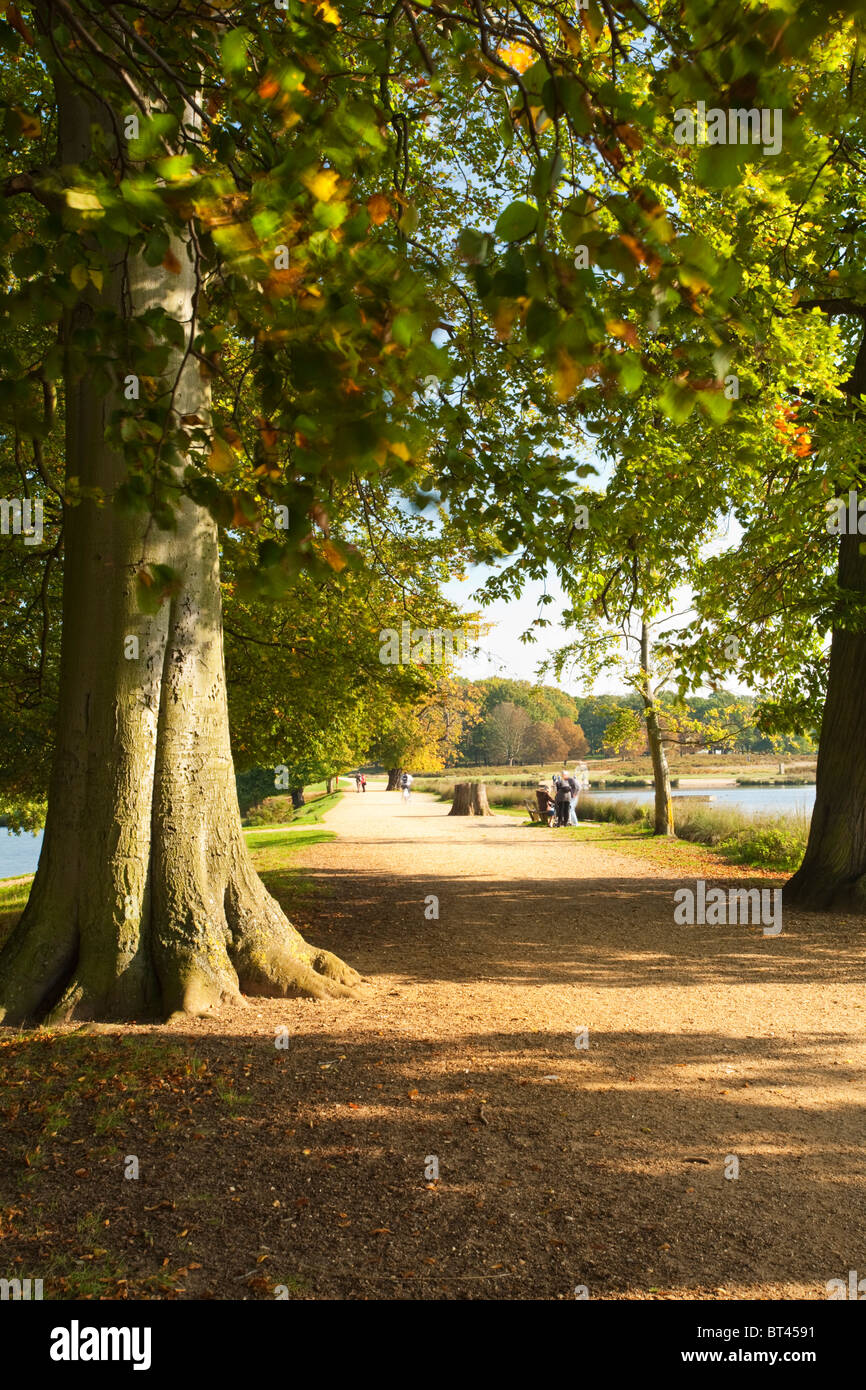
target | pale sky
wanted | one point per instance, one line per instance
(503, 654)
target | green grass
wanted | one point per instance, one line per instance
(767, 842)
(271, 853)
(277, 810)
(14, 893)
(269, 848)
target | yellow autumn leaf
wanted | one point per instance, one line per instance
(78, 276)
(518, 56)
(400, 450)
(503, 318)
(322, 183)
(326, 11)
(82, 200)
(593, 22)
(570, 34)
(30, 125)
(618, 328)
(566, 376)
(333, 556)
(378, 207)
(96, 279)
(220, 459)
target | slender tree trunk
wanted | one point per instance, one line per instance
(833, 871)
(331, 784)
(663, 818)
(145, 900)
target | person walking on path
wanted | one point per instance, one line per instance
(363, 783)
(357, 781)
(406, 784)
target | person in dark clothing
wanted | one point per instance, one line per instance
(545, 802)
(566, 787)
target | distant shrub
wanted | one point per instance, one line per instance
(254, 786)
(274, 810)
(769, 842)
(616, 810)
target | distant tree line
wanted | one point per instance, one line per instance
(519, 722)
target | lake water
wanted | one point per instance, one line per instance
(754, 800)
(19, 854)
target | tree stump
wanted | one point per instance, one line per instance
(470, 799)
(479, 799)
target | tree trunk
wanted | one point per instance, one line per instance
(394, 776)
(331, 784)
(298, 799)
(145, 900)
(470, 799)
(833, 871)
(663, 818)
(479, 800)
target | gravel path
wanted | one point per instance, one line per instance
(560, 1167)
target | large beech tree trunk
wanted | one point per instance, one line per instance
(663, 818)
(145, 901)
(394, 775)
(833, 871)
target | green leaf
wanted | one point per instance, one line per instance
(541, 320)
(677, 402)
(631, 373)
(233, 50)
(474, 247)
(518, 221)
(721, 166)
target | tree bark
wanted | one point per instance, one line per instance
(833, 871)
(145, 901)
(394, 775)
(663, 817)
(479, 799)
(298, 799)
(470, 799)
(331, 784)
